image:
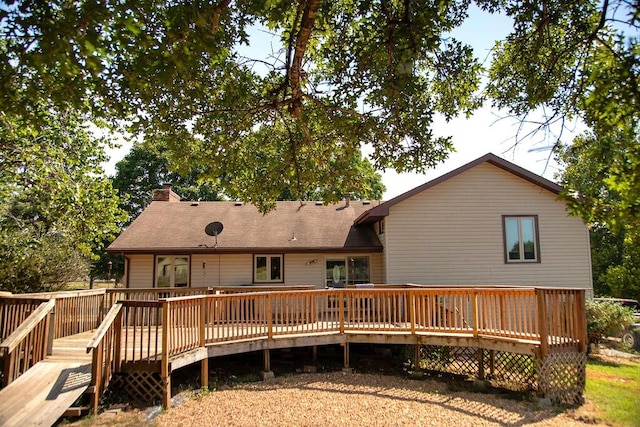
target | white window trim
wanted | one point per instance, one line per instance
(536, 238)
(269, 257)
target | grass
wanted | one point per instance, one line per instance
(98, 284)
(613, 387)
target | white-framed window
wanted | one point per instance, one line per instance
(172, 271)
(521, 242)
(268, 268)
(352, 270)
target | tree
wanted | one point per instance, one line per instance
(145, 168)
(348, 73)
(601, 183)
(58, 207)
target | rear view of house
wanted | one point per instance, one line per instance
(489, 222)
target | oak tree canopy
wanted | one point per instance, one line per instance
(347, 73)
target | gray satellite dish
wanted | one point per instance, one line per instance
(214, 228)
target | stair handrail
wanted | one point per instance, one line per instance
(28, 344)
(105, 345)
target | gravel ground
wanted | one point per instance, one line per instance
(339, 399)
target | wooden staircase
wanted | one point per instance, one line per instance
(45, 392)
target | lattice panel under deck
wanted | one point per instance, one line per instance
(454, 360)
(562, 376)
(510, 370)
(137, 386)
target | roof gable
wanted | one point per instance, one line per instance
(377, 213)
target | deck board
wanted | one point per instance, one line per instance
(42, 395)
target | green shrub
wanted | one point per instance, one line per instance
(606, 319)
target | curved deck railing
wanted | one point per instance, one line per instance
(160, 327)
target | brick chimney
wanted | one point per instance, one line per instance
(165, 194)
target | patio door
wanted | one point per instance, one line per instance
(172, 271)
(352, 271)
(336, 273)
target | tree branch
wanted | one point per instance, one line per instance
(302, 40)
(217, 11)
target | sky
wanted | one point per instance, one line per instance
(487, 131)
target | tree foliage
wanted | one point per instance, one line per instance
(146, 168)
(602, 185)
(343, 74)
(58, 207)
(606, 319)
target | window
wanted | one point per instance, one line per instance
(350, 270)
(521, 239)
(267, 268)
(172, 271)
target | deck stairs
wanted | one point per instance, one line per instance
(49, 389)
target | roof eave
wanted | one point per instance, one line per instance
(218, 250)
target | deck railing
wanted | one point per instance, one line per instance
(107, 355)
(75, 311)
(28, 344)
(14, 311)
(549, 317)
(151, 326)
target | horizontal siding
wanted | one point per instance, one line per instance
(237, 269)
(452, 234)
(140, 273)
(221, 270)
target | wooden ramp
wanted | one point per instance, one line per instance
(43, 394)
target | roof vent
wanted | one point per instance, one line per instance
(366, 202)
(319, 203)
(238, 203)
(195, 204)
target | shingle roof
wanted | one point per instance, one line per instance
(377, 213)
(292, 227)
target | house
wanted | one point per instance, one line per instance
(489, 222)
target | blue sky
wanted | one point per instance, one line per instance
(486, 131)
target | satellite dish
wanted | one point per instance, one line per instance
(214, 228)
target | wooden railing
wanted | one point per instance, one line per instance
(14, 311)
(28, 344)
(151, 294)
(107, 354)
(544, 317)
(75, 311)
(154, 332)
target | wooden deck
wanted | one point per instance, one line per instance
(145, 334)
(45, 392)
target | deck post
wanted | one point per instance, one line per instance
(267, 360)
(480, 363)
(542, 322)
(582, 322)
(96, 379)
(51, 330)
(474, 313)
(117, 334)
(346, 355)
(204, 363)
(269, 317)
(165, 375)
(412, 312)
(341, 308)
